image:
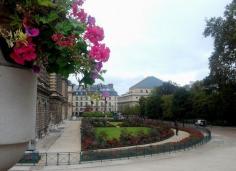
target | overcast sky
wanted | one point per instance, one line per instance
(161, 38)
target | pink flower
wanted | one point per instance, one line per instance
(57, 36)
(98, 66)
(94, 75)
(81, 15)
(105, 94)
(23, 52)
(80, 2)
(91, 21)
(64, 41)
(32, 32)
(94, 34)
(75, 8)
(99, 53)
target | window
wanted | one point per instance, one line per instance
(77, 104)
(81, 98)
(77, 98)
(81, 103)
(146, 91)
(141, 91)
(86, 103)
(109, 103)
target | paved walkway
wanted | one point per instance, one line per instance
(70, 140)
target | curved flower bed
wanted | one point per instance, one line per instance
(196, 137)
(90, 141)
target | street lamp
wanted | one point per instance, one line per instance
(105, 94)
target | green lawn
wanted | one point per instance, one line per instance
(115, 123)
(114, 132)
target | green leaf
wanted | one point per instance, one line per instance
(65, 27)
(52, 16)
(46, 3)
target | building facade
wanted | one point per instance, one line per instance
(101, 98)
(70, 100)
(42, 108)
(141, 89)
(58, 98)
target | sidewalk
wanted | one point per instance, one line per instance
(69, 141)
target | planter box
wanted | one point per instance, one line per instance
(17, 112)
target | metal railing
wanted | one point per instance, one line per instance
(50, 159)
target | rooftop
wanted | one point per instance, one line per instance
(148, 83)
(99, 88)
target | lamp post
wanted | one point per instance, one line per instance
(105, 94)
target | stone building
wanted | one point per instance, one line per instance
(92, 99)
(70, 100)
(58, 98)
(141, 89)
(42, 108)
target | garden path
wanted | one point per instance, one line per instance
(70, 140)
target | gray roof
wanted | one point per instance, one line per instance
(99, 88)
(148, 83)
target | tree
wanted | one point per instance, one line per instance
(131, 110)
(167, 88)
(167, 106)
(222, 79)
(223, 59)
(181, 105)
(142, 103)
(153, 106)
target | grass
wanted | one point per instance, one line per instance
(114, 132)
(116, 123)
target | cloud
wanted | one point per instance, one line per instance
(162, 38)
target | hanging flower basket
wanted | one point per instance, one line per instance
(57, 35)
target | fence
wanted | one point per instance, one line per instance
(50, 159)
(72, 158)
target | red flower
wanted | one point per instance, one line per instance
(23, 52)
(63, 41)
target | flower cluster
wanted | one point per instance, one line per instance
(59, 36)
(64, 41)
(23, 52)
(94, 34)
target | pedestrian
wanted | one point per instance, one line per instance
(176, 128)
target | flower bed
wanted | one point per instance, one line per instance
(90, 141)
(195, 138)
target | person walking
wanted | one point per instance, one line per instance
(176, 128)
